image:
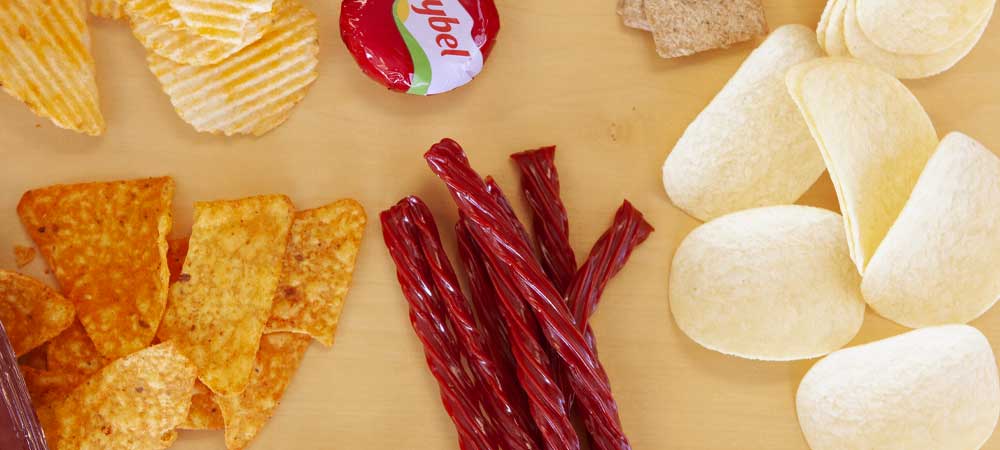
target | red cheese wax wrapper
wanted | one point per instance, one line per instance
(421, 47)
(19, 427)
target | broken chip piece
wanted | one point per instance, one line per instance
(23, 255)
(223, 298)
(319, 265)
(32, 312)
(106, 244)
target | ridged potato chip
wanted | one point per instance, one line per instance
(73, 352)
(874, 136)
(929, 389)
(232, 21)
(255, 89)
(319, 265)
(750, 147)
(920, 27)
(160, 29)
(906, 66)
(31, 312)
(45, 62)
(107, 9)
(134, 403)
(106, 244)
(774, 283)
(204, 413)
(223, 298)
(937, 263)
(277, 361)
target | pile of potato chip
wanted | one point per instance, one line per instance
(228, 66)
(906, 38)
(148, 335)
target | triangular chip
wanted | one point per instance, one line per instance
(107, 246)
(160, 29)
(223, 20)
(685, 27)
(73, 352)
(134, 403)
(177, 250)
(23, 255)
(45, 62)
(223, 298)
(319, 264)
(107, 9)
(254, 90)
(31, 312)
(46, 386)
(204, 413)
(37, 358)
(277, 361)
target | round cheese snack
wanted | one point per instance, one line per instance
(937, 264)
(929, 389)
(749, 147)
(920, 27)
(771, 283)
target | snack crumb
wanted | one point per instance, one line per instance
(23, 255)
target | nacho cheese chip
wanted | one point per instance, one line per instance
(106, 244)
(254, 90)
(219, 306)
(725, 295)
(45, 62)
(73, 352)
(937, 263)
(31, 312)
(107, 9)
(47, 386)
(920, 27)
(277, 361)
(37, 358)
(134, 403)
(319, 265)
(750, 147)
(204, 413)
(874, 137)
(176, 253)
(223, 20)
(929, 389)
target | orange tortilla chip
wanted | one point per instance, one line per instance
(31, 312)
(177, 250)
(46, 386)
(107, 245)
(73, 352)
(319, 264)
(37, 358)
(23, 255)
(219, 306)
(134, 403)
(277, 361)
(204, 413)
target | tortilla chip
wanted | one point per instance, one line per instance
(31, 312)
(277, 361)
(176, 252)
(46, 386)
(204, 413)
(685, 27)
(37, 358)
(920, 27)
(73, 352)
(23, 255)
(107, 246)
(219, 306)
(319, 265)
(107, 9)
(134, 403)
(874, 136)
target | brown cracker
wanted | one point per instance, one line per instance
(685, 27)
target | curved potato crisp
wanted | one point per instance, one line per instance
(937, 264)
(920, 27)
(253, 91)
(223, 20)
(31, 312)
(319, 265)
(223, 298)
(106, 244)
(750, 147)
(836, 44)
(724, 293)
(45, 62)
(107, 9)
(874, 136)
(929, 389)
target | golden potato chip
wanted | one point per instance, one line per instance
(160, 29)
(23, 255)
(31, 312)
(45, 386)
(319, 264)
(73, 352)
(824, 22)
(277, 361)
(45, 62)
(920, 27)
(219, 306)
(133, 403)
(750, 147)
(254, 90)
(874, 136)
(204, 413)
(836, 44)
(937, 263)
(176, 253)
(37, 358)
(223, 20)
(107, 9)
(107, 246)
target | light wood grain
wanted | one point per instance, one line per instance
(564, 72)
